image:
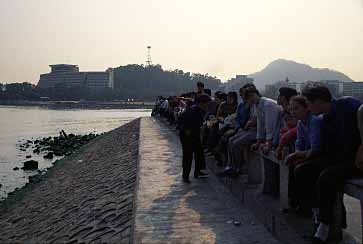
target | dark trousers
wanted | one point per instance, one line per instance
(304, 179)
(318, 181)
(192, 147)
(213, 137)
(330, 181)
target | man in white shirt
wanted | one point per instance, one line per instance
(268, 120)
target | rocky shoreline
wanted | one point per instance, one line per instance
(86, 197)
(56, 146)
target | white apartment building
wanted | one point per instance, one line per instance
(69, 76)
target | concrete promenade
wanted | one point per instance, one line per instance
(85, 198)
(169, 211)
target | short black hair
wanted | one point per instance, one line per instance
(233, 95)
(251, 90)
(248, 85)
(287, 92)
(200, 84)
(317, 92)
(301, 100)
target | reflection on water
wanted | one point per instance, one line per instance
(23, 123)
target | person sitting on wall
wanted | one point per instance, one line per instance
(210, 115)
(226, 115)
(268, 120)
(190, 123)
(288, 129)
(307, 149)
(340, 141)
(213, 123)
(245, 134)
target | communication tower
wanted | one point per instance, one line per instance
(148, 61)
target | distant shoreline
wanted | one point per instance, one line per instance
(80, 104)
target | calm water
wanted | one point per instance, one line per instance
(22, 123)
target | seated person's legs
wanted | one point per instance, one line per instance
(246, 138)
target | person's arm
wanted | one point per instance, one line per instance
(260, 136)
(315, 138)
(272, 122)
(243, 116)
(237, 119)
(260, 125)
(288, 137)
(272, 115)
(220, 111)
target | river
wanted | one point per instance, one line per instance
(18, 124)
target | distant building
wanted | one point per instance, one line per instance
(335, 87)
(67, 75)
(354, 89)
(272, 90)
(235, 84)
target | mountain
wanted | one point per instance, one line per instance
(296, 72)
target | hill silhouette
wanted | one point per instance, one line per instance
(296, 72)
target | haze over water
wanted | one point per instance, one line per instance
(29, 123)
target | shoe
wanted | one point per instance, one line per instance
(186, 180)
(200, 174)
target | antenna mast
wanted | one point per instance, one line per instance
(148, 61)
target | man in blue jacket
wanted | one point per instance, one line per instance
(340, 140)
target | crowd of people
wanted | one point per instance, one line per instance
(317, 136)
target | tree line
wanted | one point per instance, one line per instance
(130, 82)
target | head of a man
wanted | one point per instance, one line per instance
(318, 99)
(285, 94)
(243, 89)
(299, 108)
(231, 97)
(200, 87)
(203, 101)
(252, 95)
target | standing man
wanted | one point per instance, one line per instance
(190, 123)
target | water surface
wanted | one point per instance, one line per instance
(18, 124)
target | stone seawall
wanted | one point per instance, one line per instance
(87, 197)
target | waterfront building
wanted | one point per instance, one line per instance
(68, 75)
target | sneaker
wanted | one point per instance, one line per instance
(200, 174)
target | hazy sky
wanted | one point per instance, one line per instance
(222, 38)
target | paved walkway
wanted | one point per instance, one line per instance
(87, 198)
(169, 211)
